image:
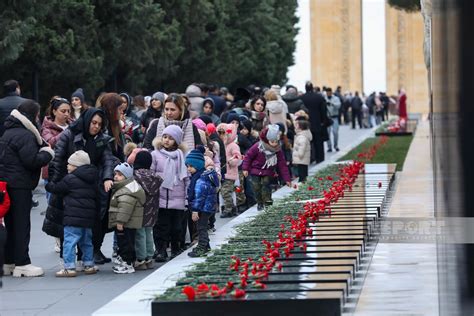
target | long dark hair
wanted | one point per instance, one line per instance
(110, 103)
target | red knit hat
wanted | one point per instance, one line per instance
(210, 128)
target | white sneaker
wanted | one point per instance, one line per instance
(79, 266)
(57, 245)
(124, 268)
(117, 260)
(28, 270)
(8, 269)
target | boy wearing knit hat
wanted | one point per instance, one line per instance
(80, 211)
(126, 215)
(202, 197)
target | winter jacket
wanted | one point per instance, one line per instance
(73, 139)
(194, 94)
(245, 142)
(80, 196)
(50, 132)
(22, 153)
(255, 160)
(232, 152)
(126, 205)
(294, 103)
(317, 113)
(169, 199)
(149, 116)
(333, 105)
(356, 103)
(277, 112)
(150, 183)
(302, 148)
(203, 194)
(76, 137)
(7, 105)
(219, 104)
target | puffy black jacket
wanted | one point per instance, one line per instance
(73, 139)
(22, 153)
(7, 105)
(81, 198)
(294, 103)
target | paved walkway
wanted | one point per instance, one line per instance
(83, 295)
(402, 277)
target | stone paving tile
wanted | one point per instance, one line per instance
(402, 277)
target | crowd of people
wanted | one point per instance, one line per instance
(155, 170)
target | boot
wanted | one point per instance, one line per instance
(225, 214)
(27, 270)
(234, 211)
(175, 249)
(162, 255)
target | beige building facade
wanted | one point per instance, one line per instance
(336, 50)
(406, 66)
(336, 45)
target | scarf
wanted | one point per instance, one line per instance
(270, 153)
(171, 176)
(258, 116)
(169, 122)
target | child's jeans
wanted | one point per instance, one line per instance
(83, 238)
(144, 246)
(126, 244)
(203, 235)
(262, 189)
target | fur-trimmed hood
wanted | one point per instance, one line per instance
(28, 125)
(157, 144)
(230, 131)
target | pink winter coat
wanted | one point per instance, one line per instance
(170, 199)
(50, 132)
(232, 151)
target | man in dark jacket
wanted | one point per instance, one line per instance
(22, 155)
(356, 105)
(316, 106)
(10, 102)
(293, 101)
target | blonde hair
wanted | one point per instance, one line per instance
(271, 95)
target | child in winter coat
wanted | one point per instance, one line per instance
(150, 182)
(264, 161)
(302, 149)
(168, 163)
(81, 205)
(233, 159)
(126, 215)
(202, 197)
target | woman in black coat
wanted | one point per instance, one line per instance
(22, 154)
(86, 133)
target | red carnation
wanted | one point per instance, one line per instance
(239, 293)
(189, 292)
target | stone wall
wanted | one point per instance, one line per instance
(336, 43)
(405, 59)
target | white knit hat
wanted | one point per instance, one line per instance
(79, 158)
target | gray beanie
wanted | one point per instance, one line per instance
(125, 169)
(78, 94)
(159, 96)
(273, 132)
(79, 158)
